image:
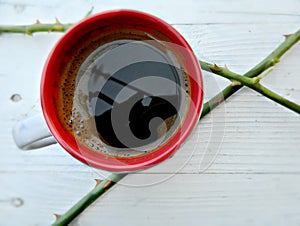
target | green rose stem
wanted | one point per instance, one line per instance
(254, 73)
(39, 27)
(268, 62)
(252, 83)
(100, 188)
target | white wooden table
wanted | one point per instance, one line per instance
(243, 159)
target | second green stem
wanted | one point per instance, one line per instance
(266, 63)
(253, 84)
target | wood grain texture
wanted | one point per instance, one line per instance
(241, 166)
(200, 199)
(183, 12)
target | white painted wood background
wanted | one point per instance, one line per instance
(249, 146)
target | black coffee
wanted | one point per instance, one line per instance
(141, 106)
(123, 96)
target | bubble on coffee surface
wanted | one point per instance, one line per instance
(95, 75)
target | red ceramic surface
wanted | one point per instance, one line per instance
(50, 74)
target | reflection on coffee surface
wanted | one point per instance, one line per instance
(123, 94)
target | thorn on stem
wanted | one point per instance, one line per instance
(108, 184)
(275, 60)
(235, 83)
(286, 36)
(216, 68)
(225, 66)
(98, 181)
(57, 21)
(89, 12)
(57, 216)
(258, 78)
(28, 32)
(37, 21)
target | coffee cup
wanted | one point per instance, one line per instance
(120, 91)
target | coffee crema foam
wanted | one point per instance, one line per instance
(78, 102)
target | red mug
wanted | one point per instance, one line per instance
(120, 91)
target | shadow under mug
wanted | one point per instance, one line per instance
(120, 91)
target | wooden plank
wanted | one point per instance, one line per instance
(32, 198)
(200, 199)
(250, 144)
(254, 136)
(242, 154)
(188, 11)
(27, 72)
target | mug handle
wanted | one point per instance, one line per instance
(32, 133)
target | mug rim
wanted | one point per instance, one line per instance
(91, 157)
